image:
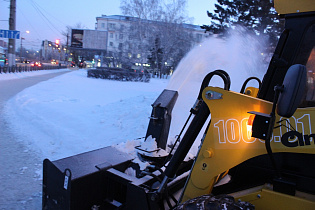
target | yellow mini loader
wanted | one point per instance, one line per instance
(257, 152)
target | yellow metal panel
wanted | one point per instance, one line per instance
(268, 199)
(228, 148)
(294, 6)
(251, 91)
(228, 141)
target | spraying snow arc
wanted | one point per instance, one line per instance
(239, 55)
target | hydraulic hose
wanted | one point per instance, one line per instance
(202, 113)
(208, 77)
(246, 81)
(188, 140)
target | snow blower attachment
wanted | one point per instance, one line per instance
(97, 179)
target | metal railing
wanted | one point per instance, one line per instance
(16, 69)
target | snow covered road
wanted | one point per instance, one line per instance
(20, 168)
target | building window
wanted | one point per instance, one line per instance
(199, 37)
(112, 26)
(103, 25)
(120, 46)
(121, 36)
(111, 35)
(111, 44)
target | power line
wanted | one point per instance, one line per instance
(33, 28)
(45, 18)
(40, 12)
(50, 14)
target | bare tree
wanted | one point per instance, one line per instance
(154, 20)
(143, 9)
(174, 42)
(174, 11)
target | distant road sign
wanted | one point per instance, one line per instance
(9, 34)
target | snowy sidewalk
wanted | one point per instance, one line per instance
(21, 169)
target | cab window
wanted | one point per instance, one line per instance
(309, 48)
(310, 66)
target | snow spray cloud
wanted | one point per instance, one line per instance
(239, 55)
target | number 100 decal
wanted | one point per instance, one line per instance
(236, 131)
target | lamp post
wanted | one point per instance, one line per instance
(21, 49)
(22, 45)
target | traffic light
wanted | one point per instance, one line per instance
(57, 43)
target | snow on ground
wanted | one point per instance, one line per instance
(71, 114)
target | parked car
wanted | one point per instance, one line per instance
(53, 61)
(37, 63)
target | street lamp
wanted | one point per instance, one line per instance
(21, 45)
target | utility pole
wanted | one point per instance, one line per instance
(12, 21)
(67, 51)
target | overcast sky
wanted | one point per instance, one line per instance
(45, 19)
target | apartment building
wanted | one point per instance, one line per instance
(122, 39)
(118, 27)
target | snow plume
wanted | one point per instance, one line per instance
(240, 55)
